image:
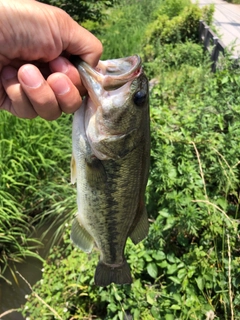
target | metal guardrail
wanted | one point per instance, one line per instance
(211, 43)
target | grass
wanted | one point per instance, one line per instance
(125, 37)
(35, 191)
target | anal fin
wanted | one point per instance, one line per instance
(140, 230)
(106, 274)
(80, 237)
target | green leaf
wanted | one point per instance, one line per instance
(225, 79)
(147, 257)
(200, 282)
(117, 297)
(182, 273)
(169, 223)
(136, 314)
(172, 268)
(185, 283)
(177, 297)
(164, 213)
(159, 255)
(191, 271)
(171, 258)
(222, 202)
(163, 264)
(152, 270)
(175, 307)
(112, 307)
(121, 315)
(155, 312)
(151, 297)
(175, 279)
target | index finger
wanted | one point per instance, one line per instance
(81, 42)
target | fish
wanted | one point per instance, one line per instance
(110, 163)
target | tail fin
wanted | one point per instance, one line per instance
(106, 274)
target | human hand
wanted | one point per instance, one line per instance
(34, 78)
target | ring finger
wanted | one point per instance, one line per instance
(15, 100)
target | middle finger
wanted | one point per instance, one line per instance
(39, 92)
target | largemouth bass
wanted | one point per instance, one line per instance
(110, 162)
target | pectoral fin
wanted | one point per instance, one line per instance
(140, 230)
(80, 237)
(73, 170)
(95, 172)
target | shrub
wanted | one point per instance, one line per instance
(173, 8)
(181, 28)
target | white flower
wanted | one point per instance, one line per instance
(26, 296)
(65, 309)
(210, 315)
(42, 270)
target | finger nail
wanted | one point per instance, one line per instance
(8, 73)
(59, 64)
(31, 76)
(60, 86)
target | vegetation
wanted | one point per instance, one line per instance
(125, 25)
(176, 22)
(234, 1)
(35, 191)
(83, 10)
(188, 267)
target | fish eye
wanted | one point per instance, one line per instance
(140, 98)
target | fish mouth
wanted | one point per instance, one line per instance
(111, 74)
(122, 67)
